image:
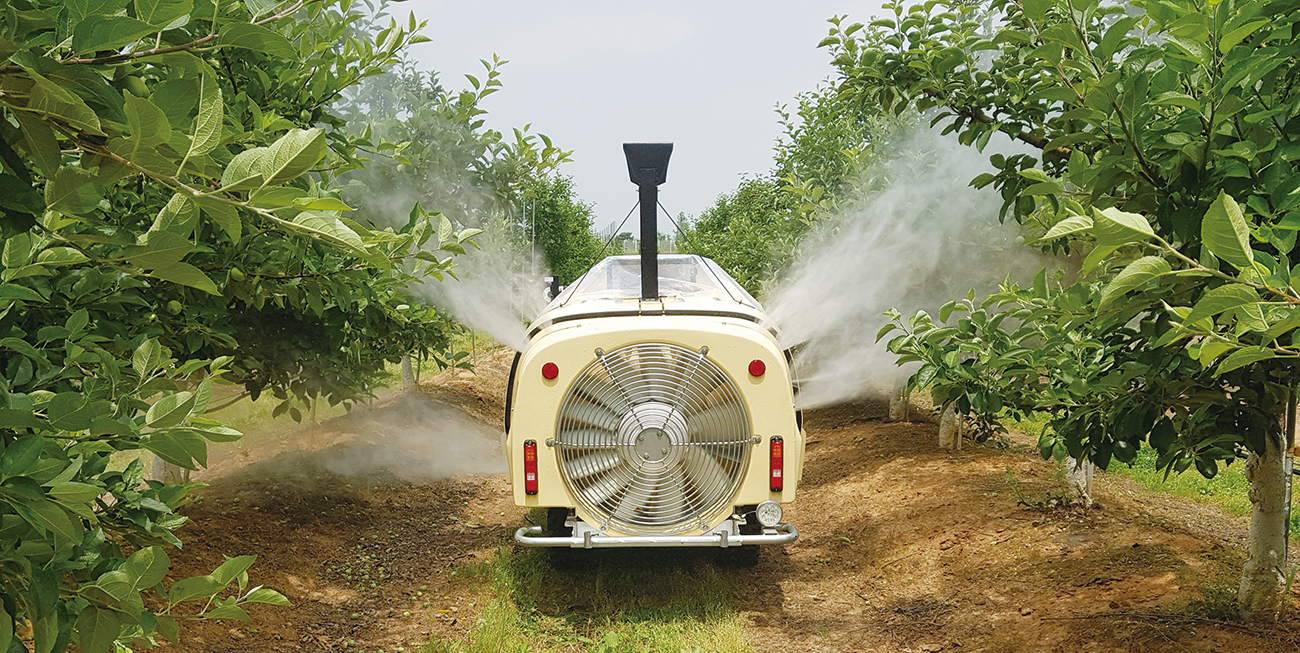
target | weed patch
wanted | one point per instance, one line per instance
(664, 601)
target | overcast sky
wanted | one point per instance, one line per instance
(704, 75)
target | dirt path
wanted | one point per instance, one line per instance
(903, 547)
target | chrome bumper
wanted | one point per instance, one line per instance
(590, 539)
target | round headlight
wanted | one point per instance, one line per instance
(769, 513)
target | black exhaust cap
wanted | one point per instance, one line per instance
(647, 167)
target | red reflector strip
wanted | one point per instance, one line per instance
(530, 467)
(778, 464)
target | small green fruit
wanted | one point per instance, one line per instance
(174, 307)
(237, 274)
(136, 86)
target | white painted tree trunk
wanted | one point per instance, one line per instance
(169, 473)
(408, 375)
(950, 428)
(1263, 576)
(1078, 480)
(898, 400)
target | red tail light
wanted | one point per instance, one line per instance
(778, 464)
(530, 467)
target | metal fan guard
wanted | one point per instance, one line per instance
(653, 438)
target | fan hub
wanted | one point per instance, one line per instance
(652, 445)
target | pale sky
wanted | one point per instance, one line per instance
(704, 75)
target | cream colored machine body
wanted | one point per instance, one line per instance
(666, 422)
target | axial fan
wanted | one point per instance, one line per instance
(653, 437)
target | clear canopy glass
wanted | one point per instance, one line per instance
(680, 275)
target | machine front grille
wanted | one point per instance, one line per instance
(653, 438)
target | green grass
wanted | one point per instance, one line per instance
(660, 601)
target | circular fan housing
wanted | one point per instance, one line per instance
(653, 438)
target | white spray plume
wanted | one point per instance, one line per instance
(497, 289)
(416, 438)
(926, 239)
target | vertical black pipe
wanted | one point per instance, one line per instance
(647, 167)
(649, 242)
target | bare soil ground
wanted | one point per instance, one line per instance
(903, 547)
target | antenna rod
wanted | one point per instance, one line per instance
(647, 166)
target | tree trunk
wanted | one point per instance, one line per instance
(408, 375)
(1263, 576)
(169, 473)
(898, 400)
(1078, 480)
(950, 428)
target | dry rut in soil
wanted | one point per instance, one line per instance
(903, 547)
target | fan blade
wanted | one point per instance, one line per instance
(705, 475)
(716, 424)
(602, 391)
(606, 488)
(592, 464)
(589, 414)
(670, 505)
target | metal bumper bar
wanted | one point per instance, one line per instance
(589, 539)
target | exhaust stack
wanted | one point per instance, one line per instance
(647, 166)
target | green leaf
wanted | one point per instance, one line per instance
(1115, 227)
(1070, 225)
(74, 411)
(147, 358)
(97, 33)
(97, 629)
(19, 197)
(185, 275)
(17, 251)
(1243, 357)
(188, 589)
(73, 191)
(161, 249)
(1232, 38)
(265, 595)
(1226, 234)
(170, 410)
(178, 447)
(1223, 298)
(146, 567)
(1036, 9)
(260, 7)
(207, 126)
(15, 291)
(228, 611)
(21, 455)
(74, 493)
(1135, 275)
(232, 568)
(41, 143)
(330, 229)
(293, 154)
(169, 629)
(57, 256)
(160, 13)
(54, 520)
(257, 38)
(6, 629)
(49, 98)
(225, 216)
(45, 633)
(20, 418)
(148, 124)
(179, 216)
